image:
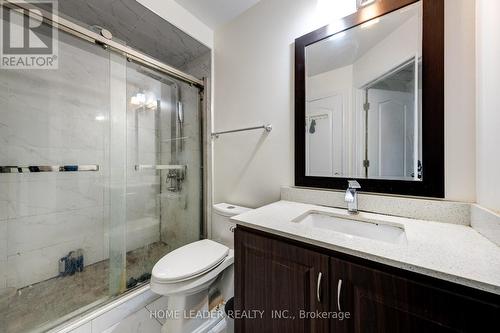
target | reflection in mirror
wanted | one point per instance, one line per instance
(363, 100)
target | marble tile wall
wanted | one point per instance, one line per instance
(181, 221)
(62, 117)
(3, 255)
(143, 133)
(120, 316)
(53, 117)
(181, 211)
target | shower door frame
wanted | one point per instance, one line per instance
(83, 33)
(204, 110)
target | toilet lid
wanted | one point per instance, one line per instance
(189, 261)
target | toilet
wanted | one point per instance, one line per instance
(185, 274)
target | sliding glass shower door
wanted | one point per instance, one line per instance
(54, 160)
(100, 176)
(163, 173)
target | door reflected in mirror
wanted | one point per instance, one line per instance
(364, 100)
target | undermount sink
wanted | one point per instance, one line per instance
(354, 226)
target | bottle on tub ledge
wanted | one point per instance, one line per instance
(71, 263)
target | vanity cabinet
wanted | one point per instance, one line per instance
(276, 274)
(281, 280)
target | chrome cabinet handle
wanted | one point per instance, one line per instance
(339, 290)
(318, 287)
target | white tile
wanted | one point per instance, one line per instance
(3, 255)
(53, 131)
(122, 311)
(3, 275)
(8, 193)
(138, 322)
(41, 231)
(161, 304)
(56, 194)
(38, 265)
(85, 328)
(3, 241)
(142, 232)
(111, 329)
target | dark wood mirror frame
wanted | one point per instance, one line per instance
(432, 184)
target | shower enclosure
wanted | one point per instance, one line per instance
(100, 176)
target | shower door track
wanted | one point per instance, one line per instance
(83, 33)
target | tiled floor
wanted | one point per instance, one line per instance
(49, 300)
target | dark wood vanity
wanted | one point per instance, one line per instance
(285, 278)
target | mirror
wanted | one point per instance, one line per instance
(363, 95)
(369, 100)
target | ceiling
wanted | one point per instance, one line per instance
(215, 13)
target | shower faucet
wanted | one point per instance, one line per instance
(174, 180)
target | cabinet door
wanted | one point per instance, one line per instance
(282, 280)
(381, 302)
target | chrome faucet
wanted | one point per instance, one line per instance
(351, 196)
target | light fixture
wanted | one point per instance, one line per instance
(151, 104)
(100, 118)
(329, 11)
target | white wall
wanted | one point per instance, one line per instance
(174, 13)
(459, 100)
(329, 83)
(488, 103)
(254, 85)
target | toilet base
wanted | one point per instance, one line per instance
(186, 313)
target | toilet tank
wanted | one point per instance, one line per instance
(222, 227)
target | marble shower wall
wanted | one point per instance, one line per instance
(53, 117)
(144, 132)
(62, 117)
(182, 211)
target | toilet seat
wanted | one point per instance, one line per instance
(190, 268)
(189, 261)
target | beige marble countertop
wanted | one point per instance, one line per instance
(451, 252)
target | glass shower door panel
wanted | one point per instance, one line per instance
(163, 169)
(53, 245)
